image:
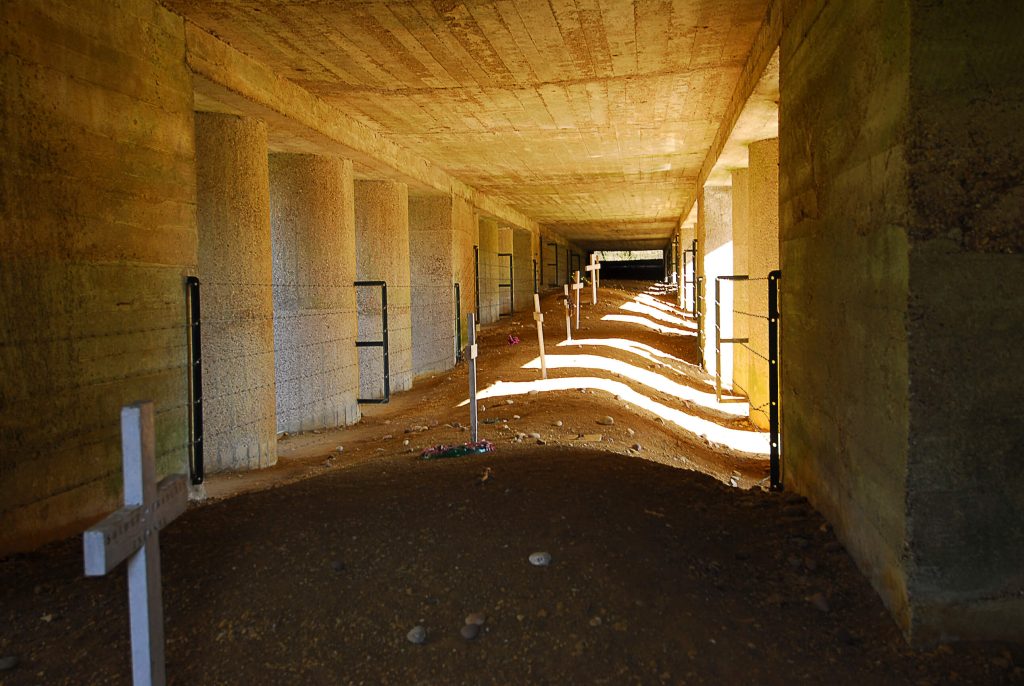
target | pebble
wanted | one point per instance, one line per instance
(509, 401)
(606, 421)
(469, 631)
(596, 621)
(637, 447)
(8, 662)
(339, 448)
(405, 442)
(534, 435)
(818, 601)
(631, 432)
(558, 422)
(477, 618)
(417, 635)
(540, 559)
(515, 416)
(387, 437)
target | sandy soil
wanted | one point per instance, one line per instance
(661, 571)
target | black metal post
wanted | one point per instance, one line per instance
(698, 290)
(535, 277)
(774, 469)
(458, 324)
(476, 275)
(195, 385)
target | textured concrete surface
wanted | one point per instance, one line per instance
(763, 254)
(312, 223)
(431, 239)
(97, 218)
(714, 258)
(235, 267)
(464, 235)
(382, 254)
(741, 290)
(597, 117)
(487, 244)
(522, 262)
(506, 271)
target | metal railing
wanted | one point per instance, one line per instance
(382, 343)
(196, 466)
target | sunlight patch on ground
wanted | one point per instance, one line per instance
(646, 299)
(642, 321)
(655, 313)
(646, 377)
(743, 441)
(646, 352)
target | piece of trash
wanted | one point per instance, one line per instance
(513, 339)
(441, 451)
(540, 559)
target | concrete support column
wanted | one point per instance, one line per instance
(714, 258)
(312, 220)
(431, 245)
(522, 264)
(741, 290)
(488, 284)
(235, 268)
(464, 235)
(506, 271)
(763, 251)
(382, 254)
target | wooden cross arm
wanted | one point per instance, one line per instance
(121, 534)
(470, 351)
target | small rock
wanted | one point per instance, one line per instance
(631, 432)
(637, 447)
(509, 401)
(417, 635)
(339, 448)
(661, 421)
(8, 662)
(405, 442)
(534, 435)
(533, 392)
(469, 631)
(596, 621)
(558, 422)
(818, 601)
(387, 437)
(515, 416)
(481, 408)
(477, 618)
(540, 559)
(606, 421)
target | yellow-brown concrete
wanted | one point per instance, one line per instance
(592, 118)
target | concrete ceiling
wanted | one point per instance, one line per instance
(592, 117)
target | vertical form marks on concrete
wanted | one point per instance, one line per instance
(431, 249)
(382, 254)
(312, 219)
(235, 268)
(489, 296)
(98, 235)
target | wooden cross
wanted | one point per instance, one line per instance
(577, 286)
(132, 533)
(470, 354)
(538, 317)
(595, 268)
(568, 313)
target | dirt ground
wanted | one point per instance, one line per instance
(662, 570)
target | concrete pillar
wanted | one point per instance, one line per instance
(522, 263)
(235, 268)
(312, 222)
(506, 271)
(902, 277)
(431, 244)
(488, 283)
(763, 258)
(464, 236)
(382, 254)
(714, 258)
(741, 290)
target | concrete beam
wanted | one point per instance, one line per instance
(230, 81)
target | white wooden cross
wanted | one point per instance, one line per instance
(577, 286)
(471, 352)
(595, 270)
(538, 317)
(568, 313)
(132, 533)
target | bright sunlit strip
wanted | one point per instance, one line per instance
(642, 350)
(655, 313)
(648, 378)
(743, 441)
(632, 319)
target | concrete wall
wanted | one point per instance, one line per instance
(97, 205)
(431, 242)
(235, 265)
(522, 262)
(763, 251)
(714, 258)
(382, 254)
(506, 271)
(965, 322)
(488, 283)
(312, 219)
